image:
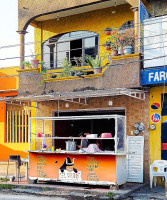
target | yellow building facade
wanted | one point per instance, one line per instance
(156, 96)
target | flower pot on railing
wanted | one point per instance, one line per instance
(34, 63)
(108, 31)
(97, 70)
(128, 50)
(108, 47)
(120, 50)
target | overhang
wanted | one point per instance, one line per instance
(80, 9)
(72, 96)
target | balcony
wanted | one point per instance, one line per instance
(124, 72)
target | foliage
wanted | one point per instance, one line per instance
(107, 43)
(45, 188)
(123, 38)
(23, 187)
(78, 61)
(41, 83)
(110, 195)
(7, 186)
(110, 44)
(43, 71)
(26, 63)
(4, 179)
(94, 62)
(67, 66)
(120, 38)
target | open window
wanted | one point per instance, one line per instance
(71, 45)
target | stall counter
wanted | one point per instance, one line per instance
(73, 167)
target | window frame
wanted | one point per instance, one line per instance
(58, 37)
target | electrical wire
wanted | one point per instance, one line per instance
(102, 30)
(118, 64)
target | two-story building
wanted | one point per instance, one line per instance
(154, 76)
(111, 101)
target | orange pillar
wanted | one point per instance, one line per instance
(3, 118)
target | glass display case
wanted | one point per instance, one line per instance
(110, 130)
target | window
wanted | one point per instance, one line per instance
(127, 25)
(164, 104)
(17, 126)
(71, 45)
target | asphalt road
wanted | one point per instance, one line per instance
(26, 197)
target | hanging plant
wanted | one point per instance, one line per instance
(107, 45)
(108, 31)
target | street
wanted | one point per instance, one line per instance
(145, 193)
(24, 197)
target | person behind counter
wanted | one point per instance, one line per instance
(84, 142)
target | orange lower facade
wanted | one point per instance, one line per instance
(79, 168)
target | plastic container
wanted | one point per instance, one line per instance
(106, 135)
(92, 136)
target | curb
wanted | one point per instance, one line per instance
(120, 197)
(71, 193)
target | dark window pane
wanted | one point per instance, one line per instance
(164, 104)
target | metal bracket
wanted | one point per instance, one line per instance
(82, 101)
(135, 94)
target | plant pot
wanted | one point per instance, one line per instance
(127, 50)
(120, 50)
(97, 70)
(108, 31)
(72, 73)
(34, 63)
(108, 47)
(115, 53)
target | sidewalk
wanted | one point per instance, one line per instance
(77, 192)
(146, 193)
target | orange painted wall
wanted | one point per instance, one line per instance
(7, 83)
(96, 167)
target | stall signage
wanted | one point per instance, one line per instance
(68, 172)
(154, 76)
(155, 118)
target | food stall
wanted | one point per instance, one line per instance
(56, 156)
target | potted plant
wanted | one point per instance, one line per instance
(66, 64)
(26, 63)
(126, 40)
(34, 62)
(117, 39)
(129, 40)
(108, 31)
(107, 45)
(95, 63)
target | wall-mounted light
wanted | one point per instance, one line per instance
(57, 17)
(67, 105)
(110, 103)
(115, 3)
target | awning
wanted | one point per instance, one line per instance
(77, 96)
